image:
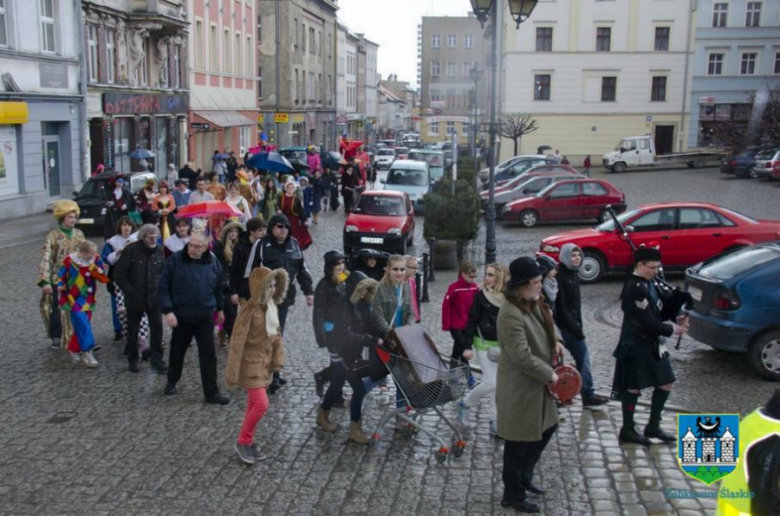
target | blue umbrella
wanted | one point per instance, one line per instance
(141, 154)
(221, 156)
(272, 161)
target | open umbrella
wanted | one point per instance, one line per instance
(272, 161)
(259, 149)
(208, 208)
(141, 154)
(543, 148)
(221, 156)
(300, 166)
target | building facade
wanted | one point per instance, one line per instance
(592, 72)
(137, 96)
(737, 53)
(372, 81)
(297, 63)
(43, 154)
(449, 48)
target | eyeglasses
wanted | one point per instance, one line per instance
(398, 269)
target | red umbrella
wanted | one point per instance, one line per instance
(208, 208)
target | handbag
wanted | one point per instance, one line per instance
(493, 353)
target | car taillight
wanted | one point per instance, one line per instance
(726, 300)
(768, 164)
(733, 163)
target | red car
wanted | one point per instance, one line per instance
(567, 200)
(380, 219)
(688, 233)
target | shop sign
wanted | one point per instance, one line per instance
(708, 101)
(341, 119)
(133, 104)
(281, 118)
(53, 75)
(435, 119)
(200, 125)
(297, 118)
(261, 118)
(438, 103)
(354, 117)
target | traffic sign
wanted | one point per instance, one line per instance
(199, 125)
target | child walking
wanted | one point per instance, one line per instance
(256, 352)
(77, 287)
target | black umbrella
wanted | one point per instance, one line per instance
(299, 166)
(542, 148)
(358, 259)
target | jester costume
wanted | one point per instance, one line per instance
(58, 245)
(76, 286)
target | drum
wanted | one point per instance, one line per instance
(568, 385)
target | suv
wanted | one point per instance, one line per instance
(411, 177)
(768, 164)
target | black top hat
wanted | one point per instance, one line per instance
(522, 270)
(647, 254)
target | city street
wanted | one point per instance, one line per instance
(106, 441)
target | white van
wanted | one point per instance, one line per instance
(409, 176)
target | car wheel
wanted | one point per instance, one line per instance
(751, 172)
(592, 268)
(528, 218)
(605, 215)
(764, 355)
(618, 168)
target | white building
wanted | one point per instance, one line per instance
(43, 155)
(372, 81)
(592, 72)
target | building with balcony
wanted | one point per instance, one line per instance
(42, 137)
(136, 68)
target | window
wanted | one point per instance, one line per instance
(450, 68)
(698, 218)
(541, 87)
(748, 65)
(436, 41)
(250, 50)
(259, 29)
(603, 39)
(213, 52)
(608, 87)
(434, 128)
(111, 56)
(303, 37)
(658, 220)
(93, 52)
(451, 98)
(49, 43)
(467, 67)
(777, 63)
(200, 51)
(592, 188)
(312, 41)
(435, 68)
(452, 40)
(450, 128)
(239, 57)
(658, 91)
(662, 39)
(565, 190)
(3, 27)
(544, 39)
(226, 52)
(715, 65)
(176, 80)
(720, 13)
(753, 14)
(468, 41)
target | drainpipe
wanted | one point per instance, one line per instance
(691, 9)
(84, 159)
(278, 87)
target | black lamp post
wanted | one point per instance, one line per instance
(484, 9)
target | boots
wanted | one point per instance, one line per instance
(356, 434)
(323, 421)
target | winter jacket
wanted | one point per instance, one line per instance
(568, 303)
(384, 306)
(314, 162)
(238, 283)
(456, 305)
(354, 330)
(191, 289)
(137, 273)
(219, 252)
(308, 201)
(329, 303)
(254, 355)
(287, 255)
(482, 317)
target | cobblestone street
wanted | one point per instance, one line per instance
(106, 441)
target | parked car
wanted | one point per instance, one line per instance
(436, 161)
(298, 153)
(502, 167)
(411, 177)
(380, 219)
(768, 164)
(742, 164)
(688, 233)
(529, 186)
(572, 199)
(736, 302)
(401, 152)
(513, 183)
(93, 196)
(384, 158)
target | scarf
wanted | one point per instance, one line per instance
(67, 231)
(495, 298)
(272, 319)
(550, 288)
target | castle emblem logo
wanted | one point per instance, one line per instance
(708, 445)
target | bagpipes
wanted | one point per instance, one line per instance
(674, 299)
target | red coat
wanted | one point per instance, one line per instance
(456, 305)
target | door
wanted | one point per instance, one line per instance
(52, 166)
(561, 202)
(594, 198)
(654, 227)
(700, 236)
(630, 152)
(645, 152)
(664, 139)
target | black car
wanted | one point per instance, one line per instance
(741, 164)
(330, 159)
(96, 192)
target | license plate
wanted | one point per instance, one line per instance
(86, 221)
(372, 240)
(695, 293)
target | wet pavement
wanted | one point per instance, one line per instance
(107, 441)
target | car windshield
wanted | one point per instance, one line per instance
(407, 177)
(383, 205)
(385, 152)
(401, 150)
(609, 225)
(734, 264)
(93, 190)
(766, 155)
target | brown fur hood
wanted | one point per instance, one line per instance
(366, 286)
(261, 276)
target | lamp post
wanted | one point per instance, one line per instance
(475, 74)
(483, 10)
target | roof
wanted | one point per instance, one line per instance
(386, 193)
(389, 94)
(226, 118)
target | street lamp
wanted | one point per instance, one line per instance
(484, 9)
(475, 74)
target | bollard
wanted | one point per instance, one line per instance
(424, 291)
(418, 283)
(429, 270)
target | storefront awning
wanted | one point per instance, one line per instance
(226, 118)
(13, 113)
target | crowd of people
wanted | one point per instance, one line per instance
(235, 278)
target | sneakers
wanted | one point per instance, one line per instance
(594, 401)
(88, 359)
(170, 389)
(323, 421)
(356, 434)
(463, 413)
(257, 453)
(217, 399)
(55, 343)
(75, 357)
(245, 453)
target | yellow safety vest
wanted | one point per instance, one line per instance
(752, 429)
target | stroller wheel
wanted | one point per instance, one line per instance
(373, 443)
(458, 448)
(441, 455)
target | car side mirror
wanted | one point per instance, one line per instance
(75, 193)
(630, 229)
(382, 180)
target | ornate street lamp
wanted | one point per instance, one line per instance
(484, 9)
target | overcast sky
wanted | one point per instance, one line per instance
(392, 24)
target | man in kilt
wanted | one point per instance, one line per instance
(642, 358)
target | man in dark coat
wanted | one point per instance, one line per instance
(239, 285)
(642, 358)
(186, 172)
(137, 273)
(190, 291)
(568, 318)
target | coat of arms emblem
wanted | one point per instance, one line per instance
(708, 445)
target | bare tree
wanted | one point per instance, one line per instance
(753, 123)
(516, 125)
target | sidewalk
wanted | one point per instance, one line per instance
(26, 229)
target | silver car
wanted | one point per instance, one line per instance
(384, 158)
(483, 174)
(530, 187)
(765, 162)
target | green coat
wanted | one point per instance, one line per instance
(525, 408)
(384, 305)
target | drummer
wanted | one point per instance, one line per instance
(527, 417)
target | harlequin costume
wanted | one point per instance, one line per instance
(77, 283)
(59, 243)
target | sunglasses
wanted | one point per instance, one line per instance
(398, 269)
